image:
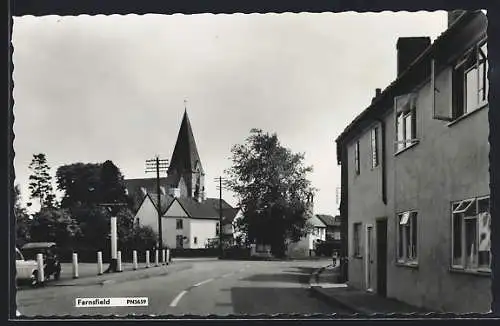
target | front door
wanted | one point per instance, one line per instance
(179, 241)
(382, 257)
(368, 257)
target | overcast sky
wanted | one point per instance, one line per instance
(89, 89)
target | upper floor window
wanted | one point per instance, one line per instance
(471, 223)
(356, 157)
(470, 82)
(374, 142)
(407, 237)
(406, 121)
(179, 224)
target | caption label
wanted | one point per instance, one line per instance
(110, 302)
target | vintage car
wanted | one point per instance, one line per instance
(26, 270)
(52, 265)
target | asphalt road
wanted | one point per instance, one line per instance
(194, 288)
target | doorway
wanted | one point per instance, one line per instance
(382, 257)
(368, 257)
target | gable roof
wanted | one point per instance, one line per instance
(228, 212)
(329, 220)
(185, 156)
(196, 209)
(316, 222)
(165, 201)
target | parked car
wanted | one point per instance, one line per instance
(26, 270)
(52, 265)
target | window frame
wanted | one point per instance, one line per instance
(463, 266)
(374, 146)
(195, 240)
(470, 61)
(356, 238)
(217, 229)
(357, 165)
(179, 224)
(403, 240)
(408, 139)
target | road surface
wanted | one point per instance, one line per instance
(195, 288)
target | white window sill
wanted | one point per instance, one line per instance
(415, 142)
(409, 264)
(468, 114)
(476, 271)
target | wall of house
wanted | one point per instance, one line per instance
(301, 248)
(449, 163)
(147, 215)
(169, 225)
(202, 229)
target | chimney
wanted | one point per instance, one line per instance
(378, 91)
(409, 48)
(453, 15)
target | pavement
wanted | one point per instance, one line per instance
(322, 283)
(190, 287)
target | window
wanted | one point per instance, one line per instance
(357, 239)
(374, 147)
(179, 241)
(406, 121)
(179, 224)
(471, 223)
(356, 157)
(195, 240)
(407, 237)
(217, 228)
(470, 82)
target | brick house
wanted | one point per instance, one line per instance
(415, 181)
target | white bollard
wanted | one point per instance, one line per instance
(75, 265)
(134, 259)
(119, 261)
(40, 275)
(157, 256)
(147, 259)
(99, 263)
(163, 256)
(168, 256)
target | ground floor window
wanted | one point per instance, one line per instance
(471, 225)
(407, 237)
(357, 239)
(179, 239)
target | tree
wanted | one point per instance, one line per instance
(54, 225)
(270, 182)
(41, 181)
(23, 221)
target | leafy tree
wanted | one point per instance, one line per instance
(270, 182)
(41, 181)
(54, 225)
(23, 221)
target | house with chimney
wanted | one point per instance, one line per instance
(189, 218)
(414, 176)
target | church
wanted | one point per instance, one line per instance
(189, 219)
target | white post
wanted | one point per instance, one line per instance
(163, 257)
(99, 263)
(119, 261)
(168, 256)
(157, 263)
(75, 265)
(41, 276)
(134, 259)
(113, 238)
(147, 259)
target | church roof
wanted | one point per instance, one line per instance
(185, 155)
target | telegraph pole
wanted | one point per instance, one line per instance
(219, 186)
(158, 165)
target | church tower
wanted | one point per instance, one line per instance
(185, 175)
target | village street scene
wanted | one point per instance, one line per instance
(235, 169)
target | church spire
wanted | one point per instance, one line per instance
(185, 161)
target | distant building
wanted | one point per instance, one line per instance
(307, 244)
(415, 180)
(189, 219)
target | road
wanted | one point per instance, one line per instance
(198, 288)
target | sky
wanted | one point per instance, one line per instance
(95, 88)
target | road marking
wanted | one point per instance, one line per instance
(204, 282)
(177, 299)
